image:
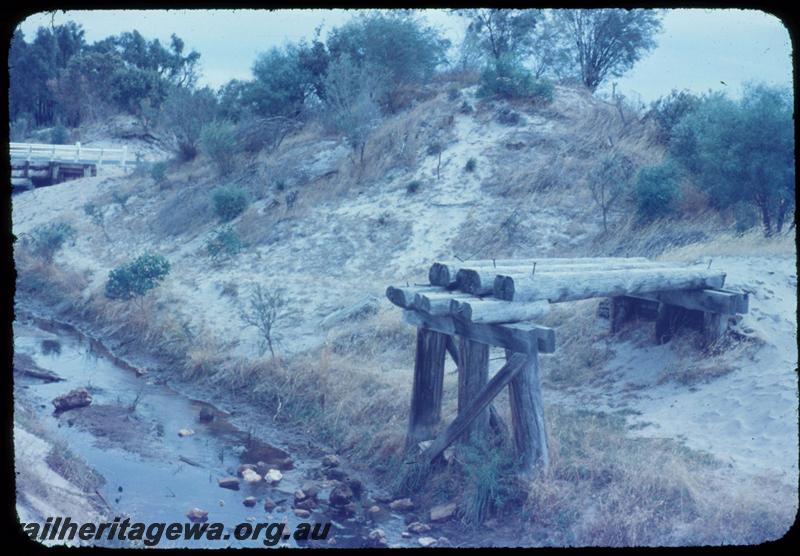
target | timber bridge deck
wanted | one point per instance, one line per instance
(497, 303)
(34, 164)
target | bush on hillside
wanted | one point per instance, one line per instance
(668, 110)
(742, 151)
(136, 278)
(218, 142)
(223, 244)
(47, 239)
(657, 190)
(508, 79)
(185, 112)
(59, 135)
(229, 202)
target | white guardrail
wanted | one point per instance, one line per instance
(69, 153)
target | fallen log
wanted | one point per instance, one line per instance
(556, 287)
(25, 365)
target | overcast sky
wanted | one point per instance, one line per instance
(697, 49)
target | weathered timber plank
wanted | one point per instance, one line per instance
(444, 273)
(473, 374)
(439, 303)
(452, 349)
(726, 302)
(557, 287)
(404, 297)
(460, 424)
(426, 393)
(500, 311)
(518, 337)
(480, 280)
(527, 415)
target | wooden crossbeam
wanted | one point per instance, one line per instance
(444, 273)
(557, 287)
(404, 297)
(499, 311)
(460, 424)
(518, 337)
(725, 302)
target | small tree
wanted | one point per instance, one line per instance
(607, 42)
(185, 113)
(97, 215)
(264, 308)
(136, 278)
(610, 182)
(218, 142)
(351, 106)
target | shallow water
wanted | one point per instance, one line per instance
(138, 452)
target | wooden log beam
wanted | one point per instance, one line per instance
(518, 337)
(460, 424)
(444, 273)
(527, 415)
(426, 393)
(473, 374)
(556, 287)
(404, 297)
(499, 311)
(439, 303)
(480, 280)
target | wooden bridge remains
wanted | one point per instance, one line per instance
(35, 164)
(468, 306)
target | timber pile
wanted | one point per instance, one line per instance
(496, 303)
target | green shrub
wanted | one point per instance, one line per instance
(136, 278)
(59, 135)
(158, 171)
(229, 202)
(657, 189)
(471, 165)
(223, 244)
(508, 79)
(465, 108)
(218, 142)
(46, 240)
(413, 187)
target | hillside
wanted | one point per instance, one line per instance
(702, 445)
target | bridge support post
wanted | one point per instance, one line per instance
(426, 393)
(473, 374)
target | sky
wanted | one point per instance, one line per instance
(697, 49)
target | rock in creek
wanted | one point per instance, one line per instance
(340, 495)
(250, 476)
(250, 501)
(231, 483)
(273, 476)
(418, 528)
(79, 397)
(245, 466)
(185, 432)
(206, 415)
(425, 542)
(269, 505)
(302, 514)
(402, 505)
(443, 512)
(378, 537)
(330, 461)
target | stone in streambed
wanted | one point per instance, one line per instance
(250, 501)
(80, 397)
(231, 483)
(196, 515)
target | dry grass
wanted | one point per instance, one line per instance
(725, 243)
(608, 489)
